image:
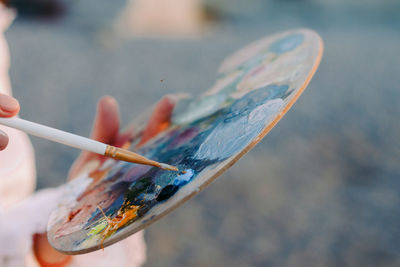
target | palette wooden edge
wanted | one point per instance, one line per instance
(228, 164)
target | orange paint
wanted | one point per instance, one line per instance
(118, 221)
(72, 214)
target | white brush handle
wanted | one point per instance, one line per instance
(55, 135)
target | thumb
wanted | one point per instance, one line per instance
(9, 106)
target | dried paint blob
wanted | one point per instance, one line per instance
(247, 103)
(184, 178)
(231, 136)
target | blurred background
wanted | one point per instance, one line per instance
(323, 188)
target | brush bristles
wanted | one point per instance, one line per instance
(168, 167)
(129, 156)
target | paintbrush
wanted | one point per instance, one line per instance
(80, 142)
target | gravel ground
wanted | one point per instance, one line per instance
(320, 189)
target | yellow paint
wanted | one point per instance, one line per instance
(118, 221)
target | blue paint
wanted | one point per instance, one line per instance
(287, 43)
(191, 110)
(167, 192)
(226, 140)
(246, 104)
(232, 87)
(184, 178)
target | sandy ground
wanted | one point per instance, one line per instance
(321, 189)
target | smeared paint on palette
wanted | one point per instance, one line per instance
(255, 88)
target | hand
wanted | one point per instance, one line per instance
(106, 130)
(9, 107)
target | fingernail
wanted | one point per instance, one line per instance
(8, 103)
(3, 140)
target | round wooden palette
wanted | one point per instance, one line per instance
(255, 87)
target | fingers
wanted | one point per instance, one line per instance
(106, 124)
(3, 140)
(105, 130)
(159, 119)
(9, 106)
